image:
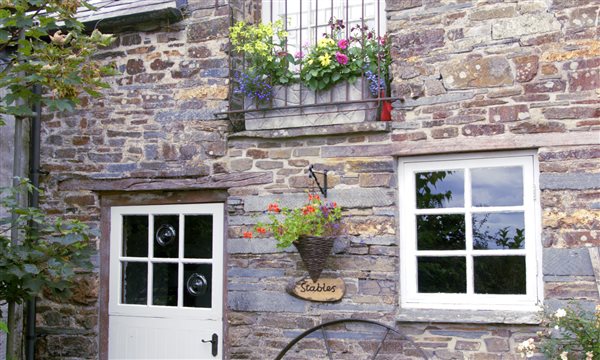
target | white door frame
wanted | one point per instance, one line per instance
(213, 315)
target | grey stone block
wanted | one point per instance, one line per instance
(567, 262)
(349, 198)
(255, 273)
(253, 246)
(571, 181)
(270, 301)
(440, 99)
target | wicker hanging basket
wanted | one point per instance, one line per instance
(314, 251)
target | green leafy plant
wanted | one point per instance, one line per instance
(333, 59)
(3, 327)
(47, 46)
(570, 333)
(266, 60)
(47, 259)
(287, 225)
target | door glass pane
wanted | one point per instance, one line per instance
(198, 237)
(134, 283)
(164, 289)
(499, 230)
(166, 236)
(135, 235)
(197, 285)
(498, 186)
(441, 232)
(440, 189)
(499, 274)
(442, 274)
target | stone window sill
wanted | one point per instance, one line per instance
(469, 316)
(340, 129)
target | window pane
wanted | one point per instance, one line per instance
(442, 274)
(498, 186)
(440, 189)
(499, 274)
(135, 235)
(499, 231)
(198, 236)
(441, 232)
(197, 282)
(164, 288)
(166, 236)
(134, 288)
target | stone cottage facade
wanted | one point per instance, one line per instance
(476, 82)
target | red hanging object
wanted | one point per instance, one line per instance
(386, 109)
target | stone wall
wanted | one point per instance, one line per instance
(473, 76)
(156, 121)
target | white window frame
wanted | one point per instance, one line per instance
(409, 295)
(116, 307)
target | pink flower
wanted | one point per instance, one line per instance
(299, 55)
(341, 58)
(343, 44)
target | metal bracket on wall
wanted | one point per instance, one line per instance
(311, 175)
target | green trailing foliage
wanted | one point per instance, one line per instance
(51, 253)
(42, 43)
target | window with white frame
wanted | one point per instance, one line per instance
(469, 232)
(308, 20)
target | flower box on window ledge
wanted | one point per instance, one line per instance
(335, 80)
(298, 106)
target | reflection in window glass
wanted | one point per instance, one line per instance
(166, 236)
(442, 274)
(498, 186)
(499, 230)
(440, 189)
(441, 232)
(135, 235)
(164, 288)
(197, 296)
(499, 274)
(198, 237)
(133, 284)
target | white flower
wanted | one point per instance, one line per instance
(563, 355)
(589, 355)
(560, 313)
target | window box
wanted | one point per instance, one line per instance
(298, 106)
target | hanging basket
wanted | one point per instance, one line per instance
(314, 251)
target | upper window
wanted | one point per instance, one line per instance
(469, 232)
(308, 20)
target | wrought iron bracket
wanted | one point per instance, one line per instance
(312, 175)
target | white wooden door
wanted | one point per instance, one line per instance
(166, 279)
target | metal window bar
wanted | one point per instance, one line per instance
(267, 11)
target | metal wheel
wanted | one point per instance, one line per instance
(354, 339)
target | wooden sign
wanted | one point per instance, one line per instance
(324, 290)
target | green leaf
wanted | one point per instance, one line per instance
(5, 35)
(3, 327)
(336, 76)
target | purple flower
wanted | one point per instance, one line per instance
(343, 44)
(299, 55)
(341, 58)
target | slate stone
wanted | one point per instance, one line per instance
(567, 262)
(353, 198)
(572, 181)
(527, 24)
(271, 301)
(485, 72)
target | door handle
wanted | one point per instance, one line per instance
(215, 344)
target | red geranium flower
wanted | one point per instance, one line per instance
(248, 234)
